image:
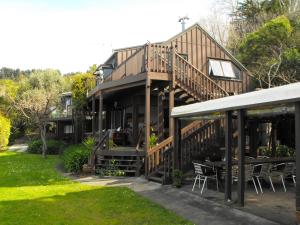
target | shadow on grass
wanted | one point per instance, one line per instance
(107, 205)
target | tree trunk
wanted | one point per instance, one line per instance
(43, 138)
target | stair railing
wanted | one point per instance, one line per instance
(103, 144)
(192, 80)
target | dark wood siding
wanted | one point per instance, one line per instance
(199, 47)
(123, 54)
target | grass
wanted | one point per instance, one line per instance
(32, 192)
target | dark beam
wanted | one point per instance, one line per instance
(241, 154)
(135, 121)
(100, 116)
(177, 162)
(171, 106)
(297, 147)
(228, 155)
(160, 115)
(147, 122)
(253, 138)
(93, 115)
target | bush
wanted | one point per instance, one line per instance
(4, 131)
(177, 178)
(54, 147)
(281, 151)
(75, 156)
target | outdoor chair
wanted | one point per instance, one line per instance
(294, 179)
(277, 171)
(255, 171)
(203, 173)
(294, 175)
(252, 172)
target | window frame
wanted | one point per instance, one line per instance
(237, 78)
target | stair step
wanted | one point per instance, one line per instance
(156, 179)
(122, 165)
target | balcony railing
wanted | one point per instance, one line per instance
(152, 58)
(66, 113)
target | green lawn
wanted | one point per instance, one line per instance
(32, 192)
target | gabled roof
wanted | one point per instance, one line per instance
(197, 25)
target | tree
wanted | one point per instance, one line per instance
(269, 55)
(81, 84)
(249, 15)
(38, 96)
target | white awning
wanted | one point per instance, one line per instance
(256, 99)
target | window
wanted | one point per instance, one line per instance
(223, 68)
(68, 129)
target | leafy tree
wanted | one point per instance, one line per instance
(37, 97)
(81, 84)
(4, 131)
(270, 53)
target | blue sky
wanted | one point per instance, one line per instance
(71, 35)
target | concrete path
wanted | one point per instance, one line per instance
(190, 206)
(18, 148)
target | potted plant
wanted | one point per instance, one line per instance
(177, 178)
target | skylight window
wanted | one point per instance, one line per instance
(223, 68)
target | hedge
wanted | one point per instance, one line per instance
(53, 147)
(4, 131)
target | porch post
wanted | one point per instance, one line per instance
(171, 106)
(160, 115)
(297, 149)
(135, 121)
(100, 115)
(241, 158)
(177, 162)
(147, 122)
(93, 115)
(228, 155)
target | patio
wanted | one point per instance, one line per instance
(278, 207)
(239, 117)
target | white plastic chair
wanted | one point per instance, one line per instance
(204, 172)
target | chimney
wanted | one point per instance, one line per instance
(182, 21)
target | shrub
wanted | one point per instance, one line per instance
(53, 147)
(153, 140)
(75, 156)
(111, 170)
(177, 178)
(4, 131)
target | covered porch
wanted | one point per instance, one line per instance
(279, 107)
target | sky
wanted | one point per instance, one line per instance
(71, 35)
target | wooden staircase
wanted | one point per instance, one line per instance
(128, 162)
(190, 85)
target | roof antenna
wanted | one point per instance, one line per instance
(182, 21)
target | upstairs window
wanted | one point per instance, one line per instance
(221, 68)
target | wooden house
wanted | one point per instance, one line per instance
(138, 86)
(61, 120)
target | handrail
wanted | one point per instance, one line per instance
(155, 154)
(100, 144)
(199, 85)
(139, 139)
(159, 58)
